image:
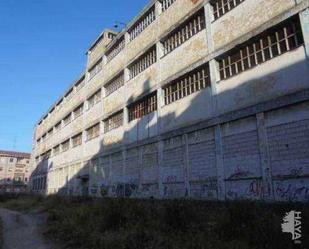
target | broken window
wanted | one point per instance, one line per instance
(93, 132)
(166, 4)
(114, 84)
(95, 69)
(115, 49)
(77, 140)
(191, 82)
(270, 44)
(145, 61)
(142, 23)
(143, 107)
(184, 32)
(221, 7)
(113, 122)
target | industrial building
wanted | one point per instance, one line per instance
(205, 99)
(15, 171)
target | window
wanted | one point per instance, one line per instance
(187, 84)
(65, 145)
(166, 4)
(56, 150)
(270, 44)
(58, 126)
(113, 122)
(221, 7)
(11, 160)
(78, 111)
(142, 23)
(96, 69)
(184, 32)
(143, 107)
(80, 83)
(67, 119)
(145, 61)
(77, 140)
(48, 154)
(94, 99)
(115, 49)
(93, 132)
(44, 137)
(50, 132)
(114, 84)
(69, 94)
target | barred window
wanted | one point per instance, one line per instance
(67, 119)
(166, 4)
(142, 63)
(142, 23)
(56, 150)
(78, 111)
(113, 122)
(96, 69)
(94, 99)
(184, 32)
(221, 7)
(114, 84)
(65, 146)
(77, 140)
(143, 107)
(93, 132)
(80, 83)
(191, 82)
(115, 49)
(272, 43)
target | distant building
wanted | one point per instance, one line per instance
(194, 98)
(14, 171)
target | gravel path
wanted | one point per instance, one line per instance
(22, 231)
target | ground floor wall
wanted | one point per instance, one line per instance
(260, 153)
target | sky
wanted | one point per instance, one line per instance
(42, 51)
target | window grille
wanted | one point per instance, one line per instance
(95, 69)
(221, 7)
(142, 23)
(184, 32)
(166, 4)
(65, 145)
(94, 99)
(272, 43)
(78, 111)
(93, 132)
(77, 140)
(115, 49)
(142, 63)
(67, 119)
(113, 122)
(143, 107)
(191, 82)
(114, 84)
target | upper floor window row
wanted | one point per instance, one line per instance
(114, 84)
(187, 84)
(143, 107)
(166, 4)
(184, 32)
(221, 7)
(96, 69)
(145, 61)
(77, 140)
(115, 49)
(272, 43)
(142, 23)
(113, 122)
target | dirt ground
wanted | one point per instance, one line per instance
(22, 231)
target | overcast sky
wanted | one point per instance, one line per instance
(42, 51)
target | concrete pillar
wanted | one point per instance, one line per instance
(208, 23)
(160, 99)
(268, 191)
(186, 165)
(158, 8)
(219, 164)
(304, 21)
(160, 165)
(124, 156)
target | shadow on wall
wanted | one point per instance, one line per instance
(134, 171)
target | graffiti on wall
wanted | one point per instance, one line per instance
(252, 189)
(291, 191)
(239, 173)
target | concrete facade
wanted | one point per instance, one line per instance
(15, 171)
(240, 137)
